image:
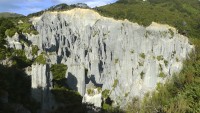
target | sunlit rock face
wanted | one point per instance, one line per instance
(123, 57)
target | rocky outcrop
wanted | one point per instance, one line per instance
(123, 57)
(41, 85)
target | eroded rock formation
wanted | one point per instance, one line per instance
(123, 57)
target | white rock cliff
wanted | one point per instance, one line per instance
(123, 57)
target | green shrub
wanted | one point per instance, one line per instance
(41, 59)
(160, 58)
(99, 89)
(107, 107)
(142, 75)
(90, 92)
(105, 93)
(11, 32)
(115, 83)
(27, 27)
(162, 75)
(141, 63)
(34, 32)
(132, 51)
(19, 58)
(160, 67)
(34, 49)
(166, 63)
(142, 55)
(116, 61)
(2, 54)
(173, 54)
(171, 33)
(126, 94)
(66, 96)
(58, 71)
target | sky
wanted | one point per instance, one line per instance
(29, 6)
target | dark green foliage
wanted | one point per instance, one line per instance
(142, 75)
(166, 63)
(19, 59)
(2, 53)
(71, 100)
(4, 25)
(17, 84)
(58, 71)
(66, 96)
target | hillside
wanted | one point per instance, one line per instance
(7, 14)
(182, 14)
(132, 56)
(60, 7)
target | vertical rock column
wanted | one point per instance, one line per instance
(41, 84)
